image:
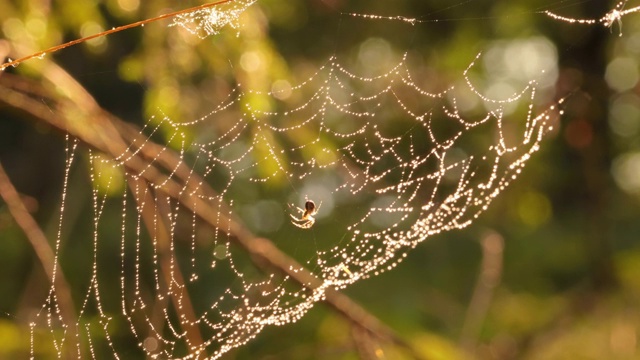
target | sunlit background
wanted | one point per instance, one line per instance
(550, 271)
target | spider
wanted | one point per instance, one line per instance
(307, 220)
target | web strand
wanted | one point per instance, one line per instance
(613, 16)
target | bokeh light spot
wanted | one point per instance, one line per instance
(622, 74)
(626, 172)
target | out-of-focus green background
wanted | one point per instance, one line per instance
(570, 281)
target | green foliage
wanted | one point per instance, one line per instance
(569, 287)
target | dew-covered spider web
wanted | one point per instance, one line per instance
(388, 161)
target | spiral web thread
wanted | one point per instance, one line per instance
(431, 169)
(210, 21)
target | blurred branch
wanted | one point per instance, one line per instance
(98, 129)
(490, 274)
(159, 231)
(43, 251)
(367, 348)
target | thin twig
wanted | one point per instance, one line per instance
(109, 32)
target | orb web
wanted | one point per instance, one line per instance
(392, 164)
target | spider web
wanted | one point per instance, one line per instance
(391, 164)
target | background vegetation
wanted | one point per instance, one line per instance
(563, 282)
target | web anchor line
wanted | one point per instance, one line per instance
(613, 16)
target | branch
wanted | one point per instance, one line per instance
(157, 226)
(366, 347)
(43, 250)
(53, 49)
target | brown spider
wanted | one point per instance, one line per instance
(307, 220)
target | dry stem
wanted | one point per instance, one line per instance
(490, 275)
(43, 250)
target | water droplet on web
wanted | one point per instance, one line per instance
(9, 60)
